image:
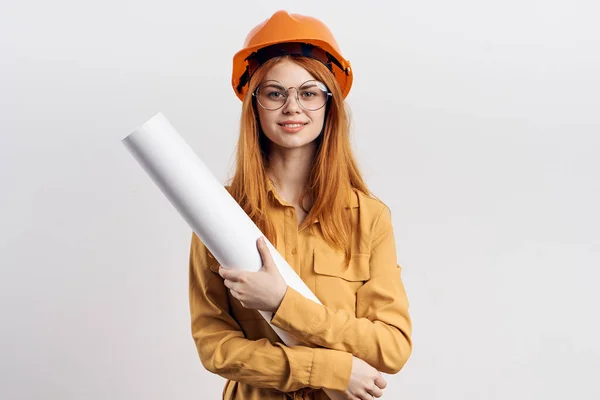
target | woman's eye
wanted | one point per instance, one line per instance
(275, 95)
(308, 94)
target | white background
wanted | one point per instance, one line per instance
(477, 122)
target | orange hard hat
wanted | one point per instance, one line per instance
(289, 34)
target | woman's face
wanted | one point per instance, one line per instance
(291, 126)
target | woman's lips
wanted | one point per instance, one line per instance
(292, 127)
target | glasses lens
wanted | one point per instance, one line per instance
(271, 95)
(312, 95)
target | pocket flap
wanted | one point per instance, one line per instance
(332, 263)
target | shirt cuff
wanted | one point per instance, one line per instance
(331, 369)
(296, 313)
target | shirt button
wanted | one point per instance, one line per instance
(294, 251)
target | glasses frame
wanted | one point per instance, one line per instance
(287, 95)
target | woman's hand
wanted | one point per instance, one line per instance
(262, 290)
(366, 383)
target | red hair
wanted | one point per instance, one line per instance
(334, 173)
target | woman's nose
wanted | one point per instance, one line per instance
(291, 103)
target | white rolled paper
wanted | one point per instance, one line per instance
(207, 207)
(204, 203)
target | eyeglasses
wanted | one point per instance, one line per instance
(311, 95)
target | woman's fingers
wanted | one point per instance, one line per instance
(380, 381)
(232, 288)
(263, 249)
(375, 391)
(365, 396)
(232, 285)
(231, 275)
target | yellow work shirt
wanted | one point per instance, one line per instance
(364, 311)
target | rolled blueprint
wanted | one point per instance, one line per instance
(207, 207)
(204, 203)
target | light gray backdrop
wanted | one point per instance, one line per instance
(477, 122)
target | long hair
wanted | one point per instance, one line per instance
(334, 173)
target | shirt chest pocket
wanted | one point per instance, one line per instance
(337, 282)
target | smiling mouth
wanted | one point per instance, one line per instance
(297, 125)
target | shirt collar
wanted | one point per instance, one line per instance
(352, 201)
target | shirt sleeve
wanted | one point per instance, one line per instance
(224, 350)
(380, 332)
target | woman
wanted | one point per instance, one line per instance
(297, 179)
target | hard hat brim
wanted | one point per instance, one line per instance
(343, 77)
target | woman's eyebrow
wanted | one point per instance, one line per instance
(274, 85)
(302, 85)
